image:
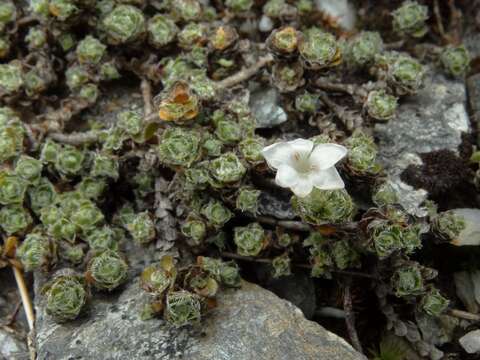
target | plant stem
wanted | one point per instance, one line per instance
(463, 315)
(350, 317)
(27, 304)
(147, 97)
(75, 138)
(245, 73)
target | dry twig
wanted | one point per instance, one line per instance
(27, 303)
(76, 138)
(245, 73)
(350, 316)
(147, 97)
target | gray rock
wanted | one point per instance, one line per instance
(250, 323)
(12, 348)
(342, 10)
(271, 205)
(465, 290)
(434, 119)
(471, 342)
(265, 108)
(471, 234)
(473, 87)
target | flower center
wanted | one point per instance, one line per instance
(302, 163)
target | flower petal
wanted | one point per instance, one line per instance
(278, 154)
(328, 179)
(325, 156)
(302, 146)
(303, 187)
(286, 176)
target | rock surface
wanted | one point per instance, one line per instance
(251, 323)
(471, 342)
(434, 119)
(265, 108)
(12, 348)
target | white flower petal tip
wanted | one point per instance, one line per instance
(301, 165)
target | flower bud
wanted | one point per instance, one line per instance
(216, 213)
(405, 75)
(35, 252)
(386, 238)
(36, 38)
(433, 303)
(76, 76)
(69, 160)
(66, 41)
(105, 166)
(90, 50)
(178, 104)
(195, 230)
(344, 255)
(87, 216)
(8, 13)
(362, 153)
(276, 8)
(74, 254)
(227, 168)
(408, 281)
(187, 10)
(41, 194)
(91, 188)
(281, 266)
(251, 149)
(201, 283)
(28, 168)
(385, 194)
(159, 277)
(141, 228)
(108, 71)
(50, 151)
(182, 308)
(39, 8)
(361, 49)
(66, 296)
(305, 7)
(100, 239)
(5, 45)
(447, 225)
(283, 41)
(179, 147)
(125, 24)
(287, 76)
(89, 92)
(12, 189)
(456, 60)
(62, 10)
(197, 177)
(319, 49)
(14, 219)
(307, 103)
(107, 270)
(192, 34)
(410, 19)
(238, 6)
(11, 78)
(226, 273)
(161, 30)
(212, 146)
(223, 38)
(247, 200)
(380, 105)
(324, 206)
(285, 240)
(250, 239)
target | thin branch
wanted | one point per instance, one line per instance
(245, 73)
(350, 317)
(287, 224)
(27, 304)
(439, 21)
(463, 315)
(349, 119)
(231, 255)
(147, 96)
(76, 138)
(394, 45)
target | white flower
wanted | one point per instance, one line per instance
(301, 165)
